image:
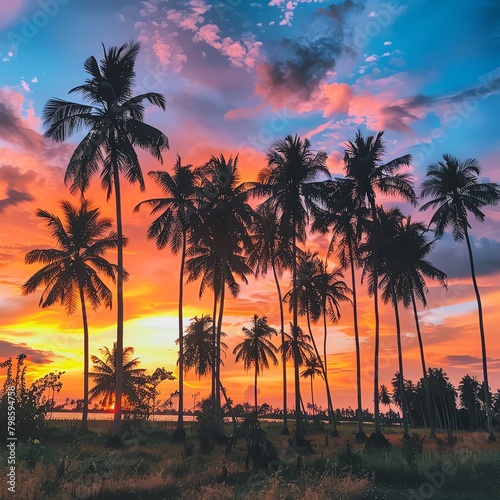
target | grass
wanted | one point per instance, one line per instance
(67, 465)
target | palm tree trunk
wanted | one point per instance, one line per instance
(491, 436)
(84, 425)
(231, 412)
(334, 420)
(284, 429)
(217, 354)
(331, 415)
(361, 431)
(424, 368)
(255, 387)
(214, 346)
(180, 418)
(404, 408)
(312, 395)
(299, 433)
(119, 301)
(378, 428)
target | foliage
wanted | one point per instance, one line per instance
(30, 404)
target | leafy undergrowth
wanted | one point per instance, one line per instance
(66, 465)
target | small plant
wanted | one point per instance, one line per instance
(205, 427)
(412, 448)
(348, 457)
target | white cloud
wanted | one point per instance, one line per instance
(371, 58)
(25, 86)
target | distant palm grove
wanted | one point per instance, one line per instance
(226, 231)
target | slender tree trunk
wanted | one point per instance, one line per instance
(331, 415)
(491, 435)
(231, 412)
(84, 425)
(334, 419)
(404, 408)
(361, 430)
(214, 346)
(298, 417)
(430, 403)
(378, 428)
(312, 395)
(119, 303)
(284, 430)
(219, 420)
(180, 418)
(255, 388)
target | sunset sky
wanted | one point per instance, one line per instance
(237, 75)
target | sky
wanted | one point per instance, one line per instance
(238, 75)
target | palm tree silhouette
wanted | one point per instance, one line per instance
(413, 269)
(104, 375)
(384, 396)
(289, 183)
(271, 251)
(297, 346)
(219, 243)
(177, 212)
(344, 216)
(71, 271)
(114, 119)
(365, 170)
(313, 368)
(456, 190)
(199, 350)
(257, 349)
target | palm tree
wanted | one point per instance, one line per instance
(177, 212)
(297, 347)
(257, 349)
(344, 217)
(71, 271)
(104, 375)
(271, 251)
(218, 244)
(384, 396)
(290, 184)
(456, 190)
(413, 248)
(368, 175)
(114, 119)
(199, 352)
(319, 294)
(313, 368)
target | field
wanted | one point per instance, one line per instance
(67, 465)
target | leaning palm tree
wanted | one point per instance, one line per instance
(71, 271)
(271, 251)
(456, 189)
(368, 175)
(291, 183)
(104, 375)
(257, 349)
(313, 369)
(114, 120)
(344, 217)
(177, 212)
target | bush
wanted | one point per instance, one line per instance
(413, 447)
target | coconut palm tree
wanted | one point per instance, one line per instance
(257, 349)
(368, 175)
(71, 271)
(199, 352)
(297, 347)
(291, 183)
(384, 396)
(114, 120)
(177, 213)
(104, 376)
(218, 245)
(456, 191)
(313, 369)
(344, 217)
(270, 251)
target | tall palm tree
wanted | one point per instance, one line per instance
(177, 212)
(313, 369)
(299, 343)
(319, 294)
(272, 251)
(344, 217)
(413, 269)
(290, 183)
(257, 349)
(114, 120)
(368, 175)
(456, 191)
(104, 375)
(71, 271)
(218, 245)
